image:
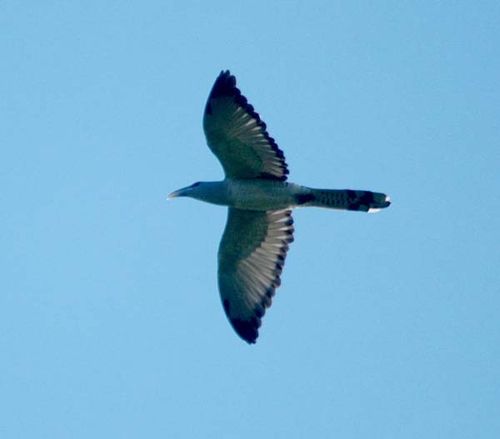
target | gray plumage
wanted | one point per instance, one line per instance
(259, 225)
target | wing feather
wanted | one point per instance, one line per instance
(238, 137)
(251, 257)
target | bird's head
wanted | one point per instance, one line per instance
(209, 191)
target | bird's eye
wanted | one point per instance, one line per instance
(195, 184)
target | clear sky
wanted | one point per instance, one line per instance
(385, 326)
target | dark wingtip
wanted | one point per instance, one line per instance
(247, 330)
(224, 85)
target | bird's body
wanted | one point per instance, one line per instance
(259, 227)
(262, 195)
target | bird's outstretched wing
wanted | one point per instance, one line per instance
(238, 137)
(251, 257)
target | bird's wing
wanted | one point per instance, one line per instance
(238, 137)
(251, 257)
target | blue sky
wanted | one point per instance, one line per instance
(385, 326)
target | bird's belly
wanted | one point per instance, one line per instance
(260, 195)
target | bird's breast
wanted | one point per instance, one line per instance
(260, 194)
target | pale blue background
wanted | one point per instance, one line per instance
(386, 325)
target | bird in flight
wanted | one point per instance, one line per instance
(260, 200)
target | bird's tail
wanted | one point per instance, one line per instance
(344, 199)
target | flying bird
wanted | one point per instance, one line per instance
(260, 200)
